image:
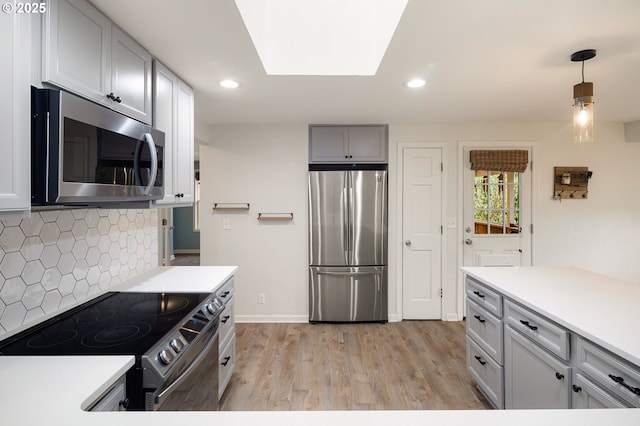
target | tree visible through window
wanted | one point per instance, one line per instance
(496, 202)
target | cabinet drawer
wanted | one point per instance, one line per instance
(486, 372)
(547, 334)
(618, 376)
(485, 329)
(227, 362)
(587, 394)
(485, 297)
(225, 291)
(227, 323)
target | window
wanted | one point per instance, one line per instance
(496, 202)
(496, 191)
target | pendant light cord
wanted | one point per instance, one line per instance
(583, 71)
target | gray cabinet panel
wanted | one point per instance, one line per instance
(547, 334)
(612, 373)
(587, 394)
(348, 144)
(487, 373)
(533, 377)
(486, 330)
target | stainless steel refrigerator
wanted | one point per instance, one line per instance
(348, 246)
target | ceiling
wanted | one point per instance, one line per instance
(484, 61)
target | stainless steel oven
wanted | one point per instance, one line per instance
(192, 383)
(84, 153)
(173, 336)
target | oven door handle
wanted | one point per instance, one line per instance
(159, 399)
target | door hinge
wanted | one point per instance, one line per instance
(531, 228)
(440, 293)
(441, 230)
(442, 167)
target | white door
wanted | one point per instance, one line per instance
(497, 216)
(421, 233)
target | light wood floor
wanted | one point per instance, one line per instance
(405, 365)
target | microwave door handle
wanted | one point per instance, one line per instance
(154, 163)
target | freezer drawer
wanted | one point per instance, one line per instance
(348, 294)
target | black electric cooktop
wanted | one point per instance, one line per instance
(112, 324)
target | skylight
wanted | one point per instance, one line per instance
(321, 37)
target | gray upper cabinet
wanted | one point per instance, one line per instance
(348, 144)
(85, 53)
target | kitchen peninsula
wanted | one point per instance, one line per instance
(553, 337)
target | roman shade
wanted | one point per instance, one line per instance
(504, 160)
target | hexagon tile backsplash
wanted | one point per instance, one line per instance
(57, 258)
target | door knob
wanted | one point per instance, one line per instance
(407, 243)
(468, 241)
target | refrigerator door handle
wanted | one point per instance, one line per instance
(345, 223)
(341, 274)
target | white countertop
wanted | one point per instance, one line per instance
(54, 390)
(172, 279)
(602, 309)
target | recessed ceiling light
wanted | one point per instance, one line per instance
(321, 37)
(229, 84)
(415, 83)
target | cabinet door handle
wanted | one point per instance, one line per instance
(225, 319)
(479, 358)
(620, 380)
(559, 376)
(576, 389)
(225, 294)
(226, 361)
(526, 323)
(480, 295)
(479, 318)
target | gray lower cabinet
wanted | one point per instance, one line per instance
(613, 378)
(485, 341)
(114, 399)
(227, 339)
(533, 377)
(587, 394)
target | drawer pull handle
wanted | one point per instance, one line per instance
(559, 376)
(479, 318)
(479, 358)
(576, 389)
(480, 295)
(225, 319)
(225, 294)
(531, 327)
(226, 361)
(619, 380)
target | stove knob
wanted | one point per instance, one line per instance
(211, 308)
(177, 345)
(165, 357)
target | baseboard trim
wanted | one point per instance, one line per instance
(187, 251)
(271, 318)
(284, 318)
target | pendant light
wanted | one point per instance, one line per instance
(583, 102)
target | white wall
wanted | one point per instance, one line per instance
(266, 166)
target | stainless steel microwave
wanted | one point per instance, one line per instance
(83, 153)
